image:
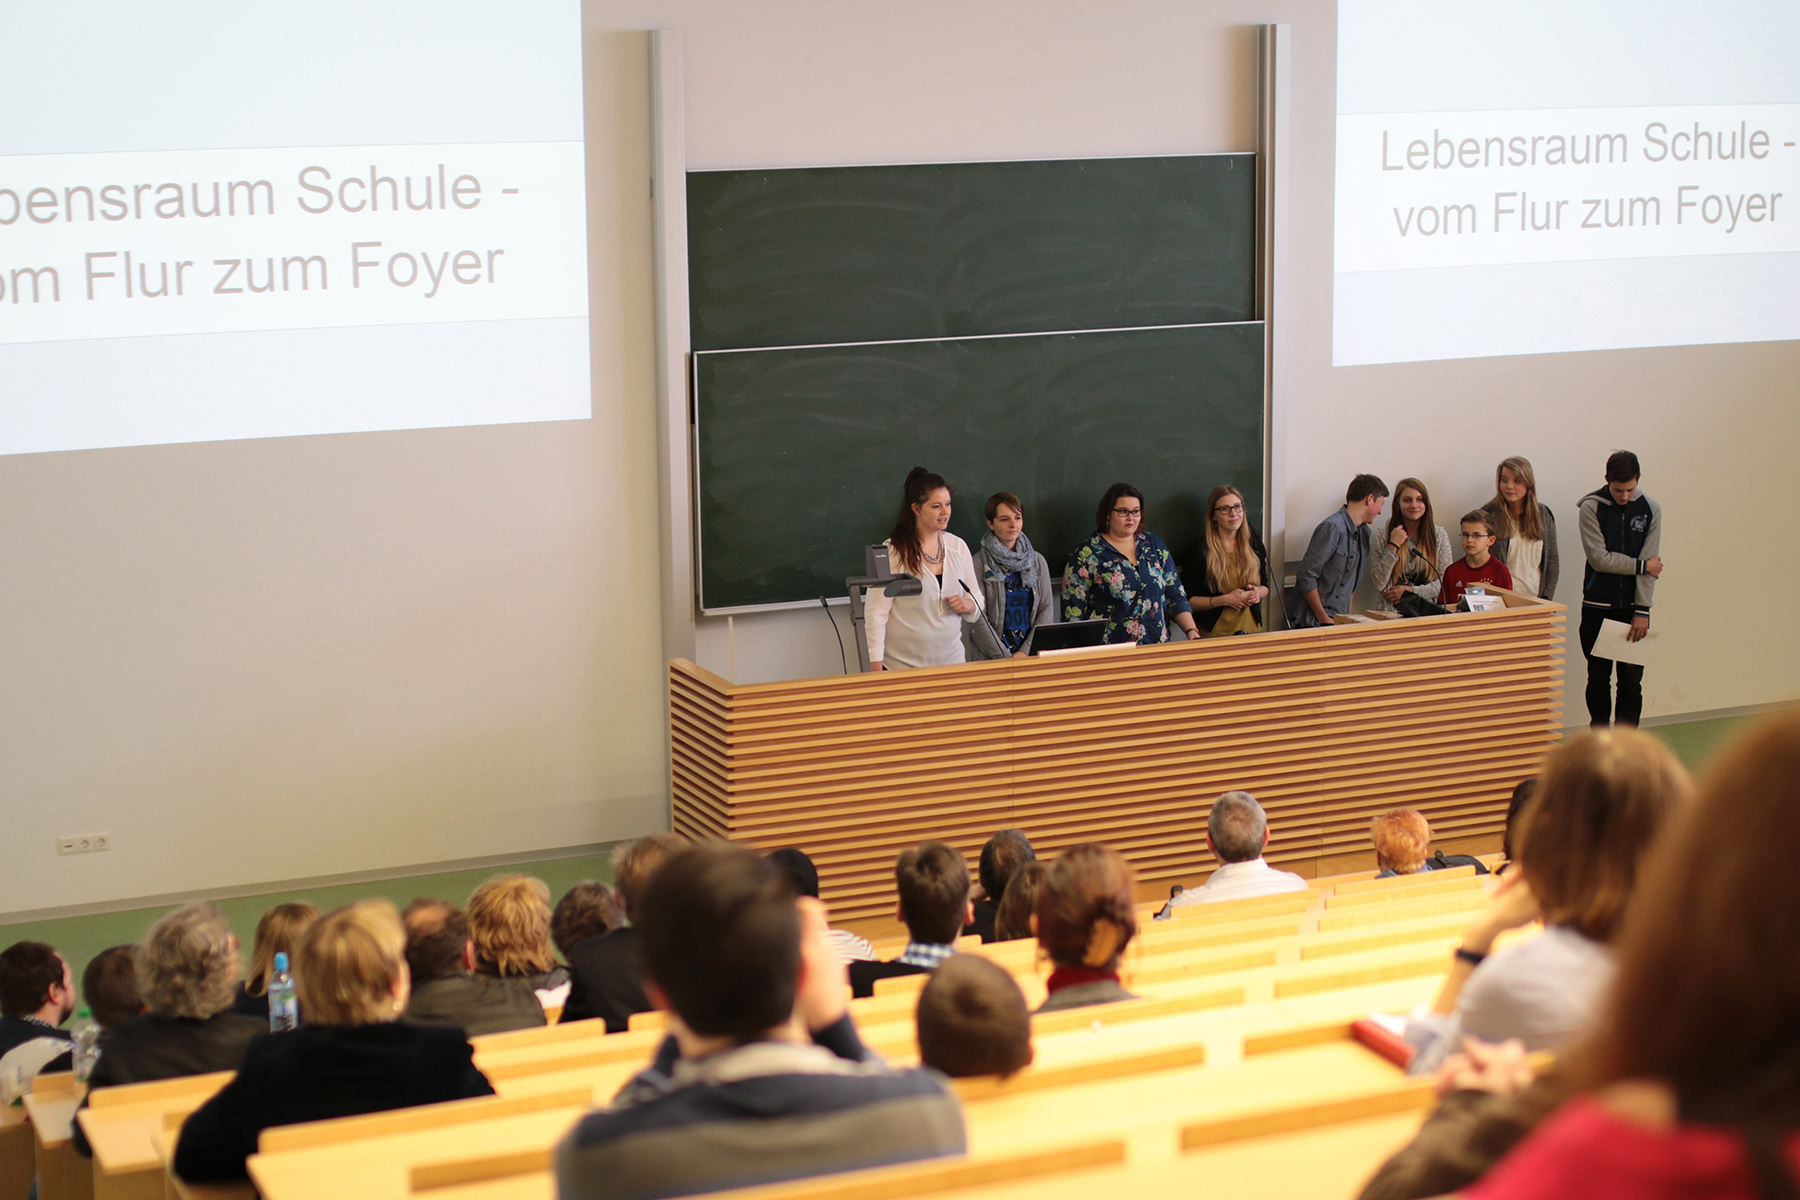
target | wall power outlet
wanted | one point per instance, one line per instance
(83, 843)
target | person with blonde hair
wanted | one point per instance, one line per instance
(278, 932)
(350, 1057)
(1086, 916)
(445, 989)
(1410, 554)
(1230, 575)
(509, 923)
(1525, 529)
(1601, 801)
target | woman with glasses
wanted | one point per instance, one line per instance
(1411, 553)
(1230, 575)
(1125, 576)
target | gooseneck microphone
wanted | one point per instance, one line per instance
(985, 619)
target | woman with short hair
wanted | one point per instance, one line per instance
(1230, 575)
(509, 923)
(1402, 840)
(923, 630)
(1601, 800)
(1525, 530)
(350, 1057)
(1410, 554)
(1086, 916)
(1017, 595)
(1125, 576)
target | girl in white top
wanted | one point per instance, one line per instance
(924, 630)
(1525, 529)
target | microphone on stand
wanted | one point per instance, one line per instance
(986, 620)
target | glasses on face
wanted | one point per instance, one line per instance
(1225, 510)
(1477, 536)
(1128, 512)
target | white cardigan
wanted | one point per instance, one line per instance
(921, 631)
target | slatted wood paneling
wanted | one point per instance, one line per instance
(1327, 727)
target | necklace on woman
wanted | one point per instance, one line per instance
(934, 560)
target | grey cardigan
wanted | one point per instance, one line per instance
(1552, 561)
(1381, 565)
(979, 634)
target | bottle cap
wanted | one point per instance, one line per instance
(82, 1014)
(281, 960)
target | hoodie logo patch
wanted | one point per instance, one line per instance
(1639, 524)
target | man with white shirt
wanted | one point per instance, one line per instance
(1237, 831)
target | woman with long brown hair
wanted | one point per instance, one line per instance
(1600, 803)
(1691, 1084)
(278, 932)
(1411, 553)
(1525, 529)
(1086, 916)
(1230, 573)
(924, 630)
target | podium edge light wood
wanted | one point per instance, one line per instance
(1327, 727)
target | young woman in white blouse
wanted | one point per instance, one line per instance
(924, 630)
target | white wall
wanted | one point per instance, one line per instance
(791, 82)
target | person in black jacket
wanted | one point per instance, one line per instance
(37, 994)
(187, 974)
(1621, 537)
(351, 1056)
(1000, 860)
(607, 979)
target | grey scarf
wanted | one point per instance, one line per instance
(999, 561)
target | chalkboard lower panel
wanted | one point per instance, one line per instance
(801, 453)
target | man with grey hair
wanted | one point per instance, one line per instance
(1237, 831)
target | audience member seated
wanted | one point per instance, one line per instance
(933, 882)
(37, 994)
(509, 922)
(109, 985)
(972, 1020)
(349, 1057)
(607, 977)
(1237, 832)
(187, 974)
(1012, 920)
(440, 958)
(1086, 916)
(278, 932)
(732, 961)
(805, 878)
(586, 910)
(1670, 1105)
(1523, 791)
(1000, 860)
(1602, 799)
(1402, 840)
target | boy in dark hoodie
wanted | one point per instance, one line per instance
(1621, 536)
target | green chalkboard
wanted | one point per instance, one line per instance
(801, 452)
(807, 256)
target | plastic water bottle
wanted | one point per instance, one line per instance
(85, 1052)
(284, 1010)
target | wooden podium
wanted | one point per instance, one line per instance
(1127, 746)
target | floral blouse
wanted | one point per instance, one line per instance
(1136, 602)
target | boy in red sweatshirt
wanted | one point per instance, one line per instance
(1477, 565)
